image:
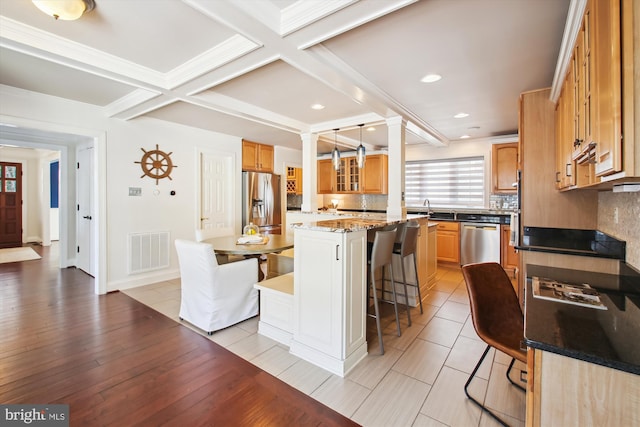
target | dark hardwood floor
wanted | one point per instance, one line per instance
(117, 362)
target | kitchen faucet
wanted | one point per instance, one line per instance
(427, 203)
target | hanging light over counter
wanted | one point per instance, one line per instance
(361, 152)
(335, 154)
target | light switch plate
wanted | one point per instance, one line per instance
(135, 191)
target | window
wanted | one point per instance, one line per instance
(445, 182)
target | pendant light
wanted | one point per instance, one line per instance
(335, 154)
(361, 153)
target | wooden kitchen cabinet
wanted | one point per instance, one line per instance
(592, 115)
(508, 255)
(348, 176)
(257, 157)
(375, 174)
(559, 388)
(326, 177)
(504, 167)
(294, 180)
(349, 179)
(448, 241)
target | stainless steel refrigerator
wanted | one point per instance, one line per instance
(261, 201)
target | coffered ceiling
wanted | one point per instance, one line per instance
(253, 68)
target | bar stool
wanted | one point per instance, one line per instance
(407, 247)
(381, 256)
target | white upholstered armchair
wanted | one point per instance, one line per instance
(215, 296)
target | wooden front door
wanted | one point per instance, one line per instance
(10, 205)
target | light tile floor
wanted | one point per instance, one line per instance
(419, 381)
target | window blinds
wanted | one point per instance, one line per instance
(445, 182)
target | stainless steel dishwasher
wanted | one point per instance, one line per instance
(479, 242)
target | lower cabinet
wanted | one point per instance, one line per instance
(562, 391)
(508, 255)
(448, 237)
(329, 318)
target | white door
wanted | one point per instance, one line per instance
(217, 189)
(85, 220)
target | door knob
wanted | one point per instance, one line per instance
(87, 217)
(203, 219)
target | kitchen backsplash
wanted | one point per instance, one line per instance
(372, 202)
(503, 201)
(627, 227)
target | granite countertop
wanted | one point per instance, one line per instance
(592, 243)
(605, 337)
(356, 222)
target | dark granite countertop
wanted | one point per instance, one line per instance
(572, 242)
(605, 337)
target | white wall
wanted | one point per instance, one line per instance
(124, 141)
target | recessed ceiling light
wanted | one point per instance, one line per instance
(465, 137)
(317, 106)
(461, 116)
(430, 78)
(474, 127)
(371, 129)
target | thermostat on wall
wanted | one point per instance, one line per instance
(135, 191)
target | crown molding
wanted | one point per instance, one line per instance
(129, 101)
(301, 14)
(73, 54)
(225, 52)
(571, 31)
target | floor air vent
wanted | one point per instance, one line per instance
(148, 251)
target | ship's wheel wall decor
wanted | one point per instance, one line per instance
(156, 164)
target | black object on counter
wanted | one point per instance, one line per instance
(605, 337)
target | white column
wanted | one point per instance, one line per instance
(395, 200)
(309, 172)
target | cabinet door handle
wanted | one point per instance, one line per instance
(337, 252)
(557, 176)
(568, 169)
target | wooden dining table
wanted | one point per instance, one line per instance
(228, 245)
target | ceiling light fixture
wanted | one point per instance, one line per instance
(461, 116)
(431, 78)
(465, 137)
(361, 152)
(335, 154)
(67, 10)
(371, 129)
(317, 107)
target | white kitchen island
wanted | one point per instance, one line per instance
(329, 301)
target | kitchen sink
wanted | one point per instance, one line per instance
(447, 216)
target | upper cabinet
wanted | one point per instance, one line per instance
(375, 173)
(326, 177)
(504, 167)
(294, 180)
(349, 179)
(591, 114)
(257, 157)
